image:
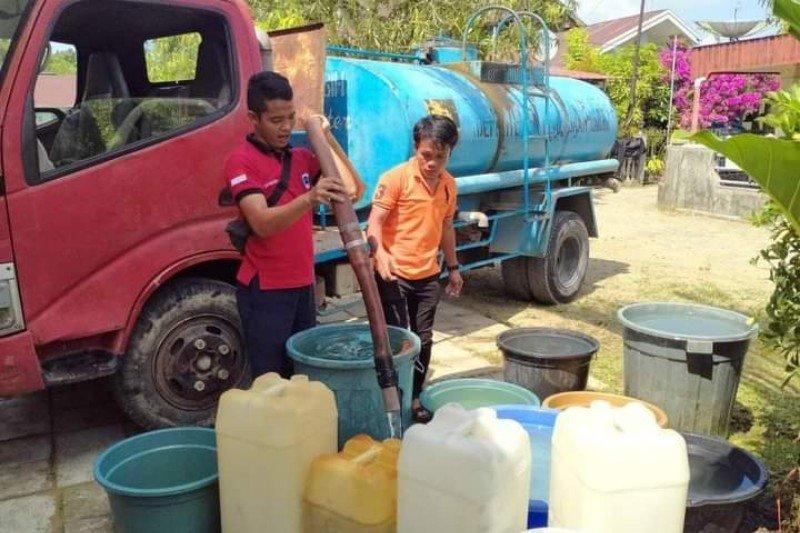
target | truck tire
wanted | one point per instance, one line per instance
(515, 278)
(557, 277)
(186, 349)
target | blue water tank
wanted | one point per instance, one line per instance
(373, 106)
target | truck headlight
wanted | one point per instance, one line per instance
(11, 319)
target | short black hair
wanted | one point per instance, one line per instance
(437, 128)
(266, 86)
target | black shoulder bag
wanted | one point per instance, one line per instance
(239, 230)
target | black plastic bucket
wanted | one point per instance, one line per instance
(724, 481)
(547, 360)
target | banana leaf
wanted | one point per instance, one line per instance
(788, 11)
(773, 163)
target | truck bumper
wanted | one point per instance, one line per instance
(20, 371)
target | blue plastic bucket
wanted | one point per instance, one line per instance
(539, 424)
(163, 480)
(352, 377)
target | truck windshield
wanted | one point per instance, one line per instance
(12, 13)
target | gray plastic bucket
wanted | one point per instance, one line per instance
(686, 359)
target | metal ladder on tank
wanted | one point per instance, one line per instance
(527, 91)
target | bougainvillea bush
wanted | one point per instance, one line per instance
(726, 100)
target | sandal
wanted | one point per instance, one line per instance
(421, 415)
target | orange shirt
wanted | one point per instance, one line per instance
(412, 232)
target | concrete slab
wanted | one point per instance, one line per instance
(76, 452)
(30, 514)
(455, 319)
(81, 502)
(24, 416)
(357, 310)
(337, 316)
(97, 524)
(25, 466)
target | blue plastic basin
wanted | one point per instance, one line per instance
(539, 424)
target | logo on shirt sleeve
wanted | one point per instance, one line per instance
(306, 179)
(379, 192)
(241, 178)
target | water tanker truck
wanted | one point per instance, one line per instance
(113, 254)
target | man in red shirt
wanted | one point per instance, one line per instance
(276, 278)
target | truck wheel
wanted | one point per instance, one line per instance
(186, 350)
(557, 277)
(515, 278)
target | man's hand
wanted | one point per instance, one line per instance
(384, 264)
(327, 190)
(454, 284)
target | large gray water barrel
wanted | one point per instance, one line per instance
(686, 359)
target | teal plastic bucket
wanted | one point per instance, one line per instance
(322, 354)
(474, 393)
(163, 480)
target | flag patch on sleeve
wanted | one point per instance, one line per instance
(241, 178)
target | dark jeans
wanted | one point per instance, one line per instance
(412, 303)
(269, 318)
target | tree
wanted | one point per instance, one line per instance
(653, 94)
(62, 62)
(393, 25)
(172, 58)
(725, 100)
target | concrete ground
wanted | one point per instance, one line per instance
(49, 440)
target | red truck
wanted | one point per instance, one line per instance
(113, 257)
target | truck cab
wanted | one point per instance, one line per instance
(111, 239)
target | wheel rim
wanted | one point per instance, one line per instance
(568, 262)
(198, 359)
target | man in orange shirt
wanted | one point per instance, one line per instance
(411, 220)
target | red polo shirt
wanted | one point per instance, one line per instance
(284, 260)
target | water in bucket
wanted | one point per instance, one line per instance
(345, 346)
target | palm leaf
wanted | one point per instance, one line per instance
(773, 163)
(789, 12)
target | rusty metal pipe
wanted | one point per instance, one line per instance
(358, 253)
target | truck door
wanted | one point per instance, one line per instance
(117, 129)
(19, 366)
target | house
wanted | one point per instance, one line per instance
(779, 54)
(658, 27)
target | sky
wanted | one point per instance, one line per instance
(689, 10)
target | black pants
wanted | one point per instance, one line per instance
(412, 303)
(269, 318)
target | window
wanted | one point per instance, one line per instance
(172, 59)
(57, 84)
(132, 74)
